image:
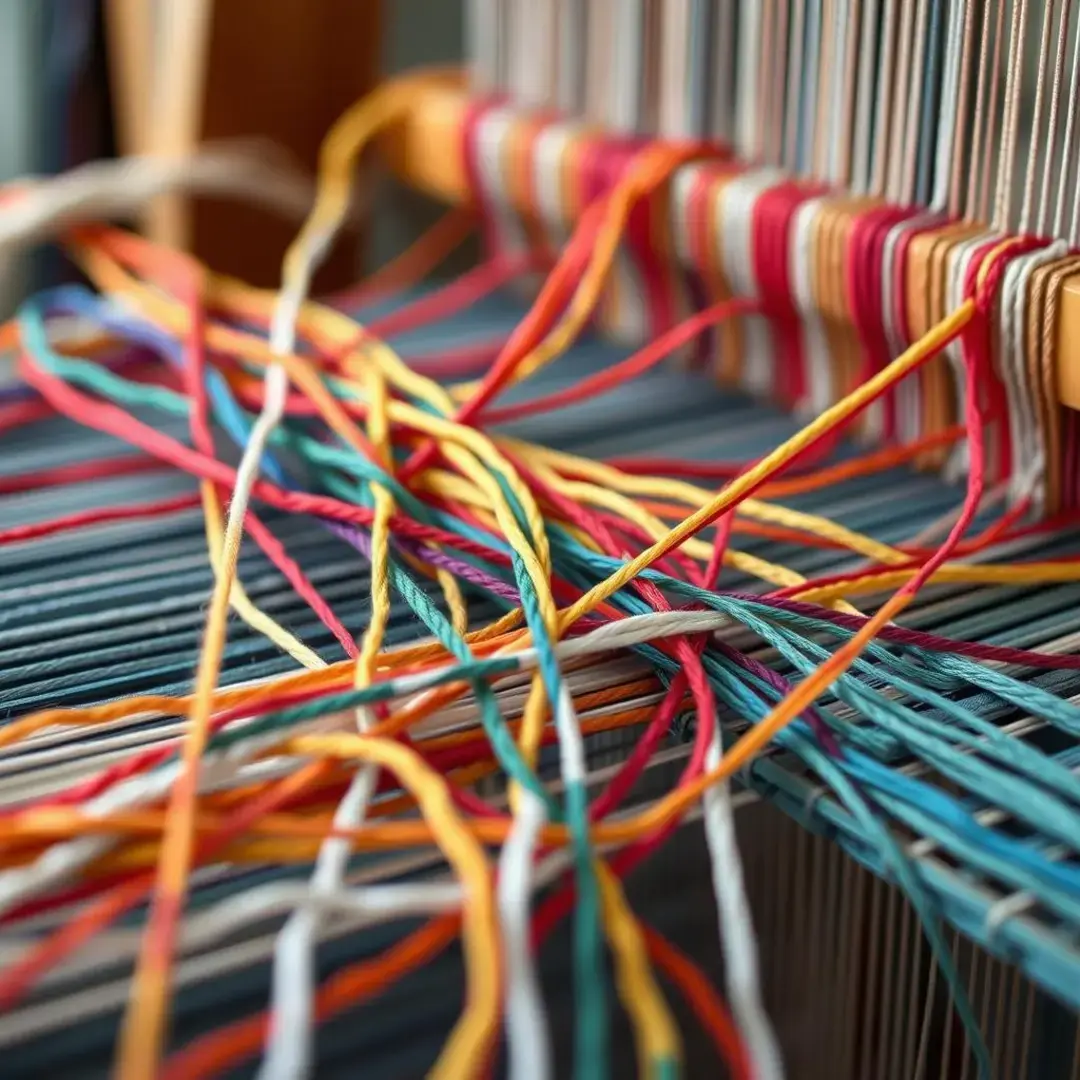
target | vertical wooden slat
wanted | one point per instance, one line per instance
(282, 70)
(129, 27)
(182, 39)
(286, 70)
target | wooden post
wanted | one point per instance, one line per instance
(283, 70)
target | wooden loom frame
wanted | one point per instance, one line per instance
(187, 71)
(424, 152)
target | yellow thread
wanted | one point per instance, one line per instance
(607, 476)
(825, 422)
(145, 1019)
(256, 350)
(473, 451)
(378, 431)
(657, 1035)
(254, 616)
(697, 549)
(1035, 573)
(466, 1049)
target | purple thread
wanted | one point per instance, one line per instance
(821, 730)
(361, 540)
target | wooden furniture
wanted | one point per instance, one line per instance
(187, 71)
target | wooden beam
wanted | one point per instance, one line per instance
(424, 151)
(282, 70)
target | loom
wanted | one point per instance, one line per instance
(909, 845)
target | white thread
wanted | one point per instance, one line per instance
(290, 1036)
(1010, 370)
(683, 184)
(59, 862)
(736, 926)
(570, 89)
(550, 147)
(836, 138)
(74, 1007)
(735, 238)
(614, 636)
(959, 262)
(1067, 150)
(626, 101)
(1052, 120)
(949, 102)
(821, 389)
(482, 48)
(910, 155)
(1005, 909)
(528, 1045)
(491, 132)
(723, 89)
(883, 112)
(1027, 206)
(103, 190)
(860, 168)
(906, 393)
(747, 114)
(378, 899)
(790, 156)
(806, 124)
(1032, 457)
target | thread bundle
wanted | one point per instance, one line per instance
(521, 566)
(857, 158)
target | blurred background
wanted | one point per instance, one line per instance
(88, 79)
